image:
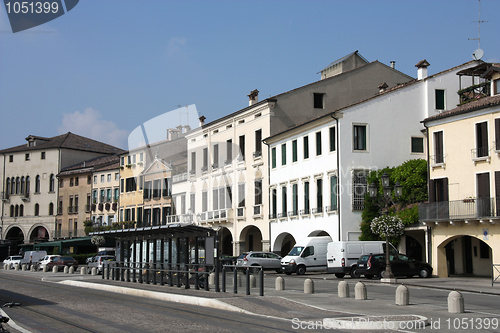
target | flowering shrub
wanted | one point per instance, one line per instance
(387, 226)
(97, 240)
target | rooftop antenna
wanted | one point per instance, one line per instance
(478, 54)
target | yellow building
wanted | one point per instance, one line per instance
(462, 218)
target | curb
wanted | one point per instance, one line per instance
(399, 322)
(191, 300)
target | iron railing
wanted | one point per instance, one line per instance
(473, 208)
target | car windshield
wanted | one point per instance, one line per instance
(17, 258)
(297, 250)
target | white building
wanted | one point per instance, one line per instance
(318, 169)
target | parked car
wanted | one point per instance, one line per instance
(60, 262)
(371, 265)
(12, 260)
(98, 261)
(268, 260)
(45, 260)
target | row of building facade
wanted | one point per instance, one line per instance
(289, 166)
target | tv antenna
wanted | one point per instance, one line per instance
(478, 54)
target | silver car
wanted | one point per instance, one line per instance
(12, 260)
(267, 260)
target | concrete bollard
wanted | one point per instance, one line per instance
(104, 271)
(238, 277)
(360, 291)
(211, 279)
(17, 267)
(6, 266)
(65, 269)
(45, 269)
(280, 283)
(343, 289)
(83, 270)
(402, 295)
(308, 286)
(33, 268)
(94, 270)
(455, 302)
(24, 267)
(253, 281)
(55, 269)
(71, 270)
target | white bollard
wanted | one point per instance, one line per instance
(83, 270)
(65, 269)
(360, 291)
(402, 295)
(71, 270)
(55, 269)
(253, 281)
(343, 289)
(17, 267)
(211, 279)
(24, 267)
(280, 283)
(308, 286)
(455, 302)
(45, 269)
(94, 270)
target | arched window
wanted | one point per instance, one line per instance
(16, 213)
(7, 186)
(52, 183)
(18, 183)
(27, 191)
(21, 210)
(37, 210)
(12, 185)
(51, 208)
(11, 210)
(22, 185)
(37, 184)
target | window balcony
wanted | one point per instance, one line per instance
(5, 197)
(240, 213)
(273, 216)
(466, 209)
(480, 154)
(257, 154)
(305, 211)
(293, 213)
(437, 161)
(317, 210)
(257, 211)
(475, 92)
(283, 215)
(183, 218)
(331, 208)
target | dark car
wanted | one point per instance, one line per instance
(60, 262)
(371, 265)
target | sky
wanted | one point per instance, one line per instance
(106, 67)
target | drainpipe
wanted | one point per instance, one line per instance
(429, 229)
(268, 186)
(338, 169)
(3, 203)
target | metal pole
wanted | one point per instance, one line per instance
(235, 281)
(169, 264)
(141, 245)
(162, 260)
(154, 260)
(261, 276)
(223, 279)
(186, 264)
(248, 281)
(147, 261)
(134, 251)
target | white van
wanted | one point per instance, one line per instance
(33, 257)
(308, 255)
(342, 257)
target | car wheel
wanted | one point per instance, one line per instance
(301, 270)
(424, 272)
(254, 270)
(354, 273)
(339, 275)
(369, 276)
(381, 273)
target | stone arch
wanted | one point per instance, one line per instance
(250, 239)
(226, 242)
(464, 255)
(15, 237)
(317, 233)
(38, 233)
(283, 244)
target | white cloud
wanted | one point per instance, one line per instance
(175, 44)
(90, 124)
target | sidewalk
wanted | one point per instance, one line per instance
(294, 305)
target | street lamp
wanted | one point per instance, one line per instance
(386, 190)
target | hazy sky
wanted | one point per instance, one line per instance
(106, 67)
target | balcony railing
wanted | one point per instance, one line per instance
(184, 218)
(5, 197)
(180, 177)
(69, 233)
(474, 92)
(480, 154)
(476, 208)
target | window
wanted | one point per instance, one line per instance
(134, 158)
(141, 157)
(229, 151)
(108, 195)
(167, 190)
(306, 198)
(417, 145)
(482, 139)
(229, 196)
(242, 147)
(42, 155)
(216, 156)
(101, 196)
(76, 181)
(306, 147)
(116, 194)
(130, 184)
(51, 208)
(318, 143)
(11, 158)
(295, 199)
(333, 193)
(274, 203)
(258, 143)
(117, 176)
(146, 193)
(497, 134)
(102, 178)
(283, 154)
(359, 137)
(204, 201)
(319, 100)
(52, 183)
(27, 157)
(122, 161)
(496, 87)
(332, 138)
(37, 184)
(205, 160)
(258, 192)
(122, 185)
(241, 195)
(294, 151)
(319, 195)
(273, 157)
(215, 199)
(109, 177)
(95, 179)
(440, 102)
(37, 209)
(359, 186)
(438, 147)
(283, 201)
(156, 188)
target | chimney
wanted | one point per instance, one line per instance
(382, 87)
(422, 69)
(202, 120)
(393, 64)
(253, 97)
